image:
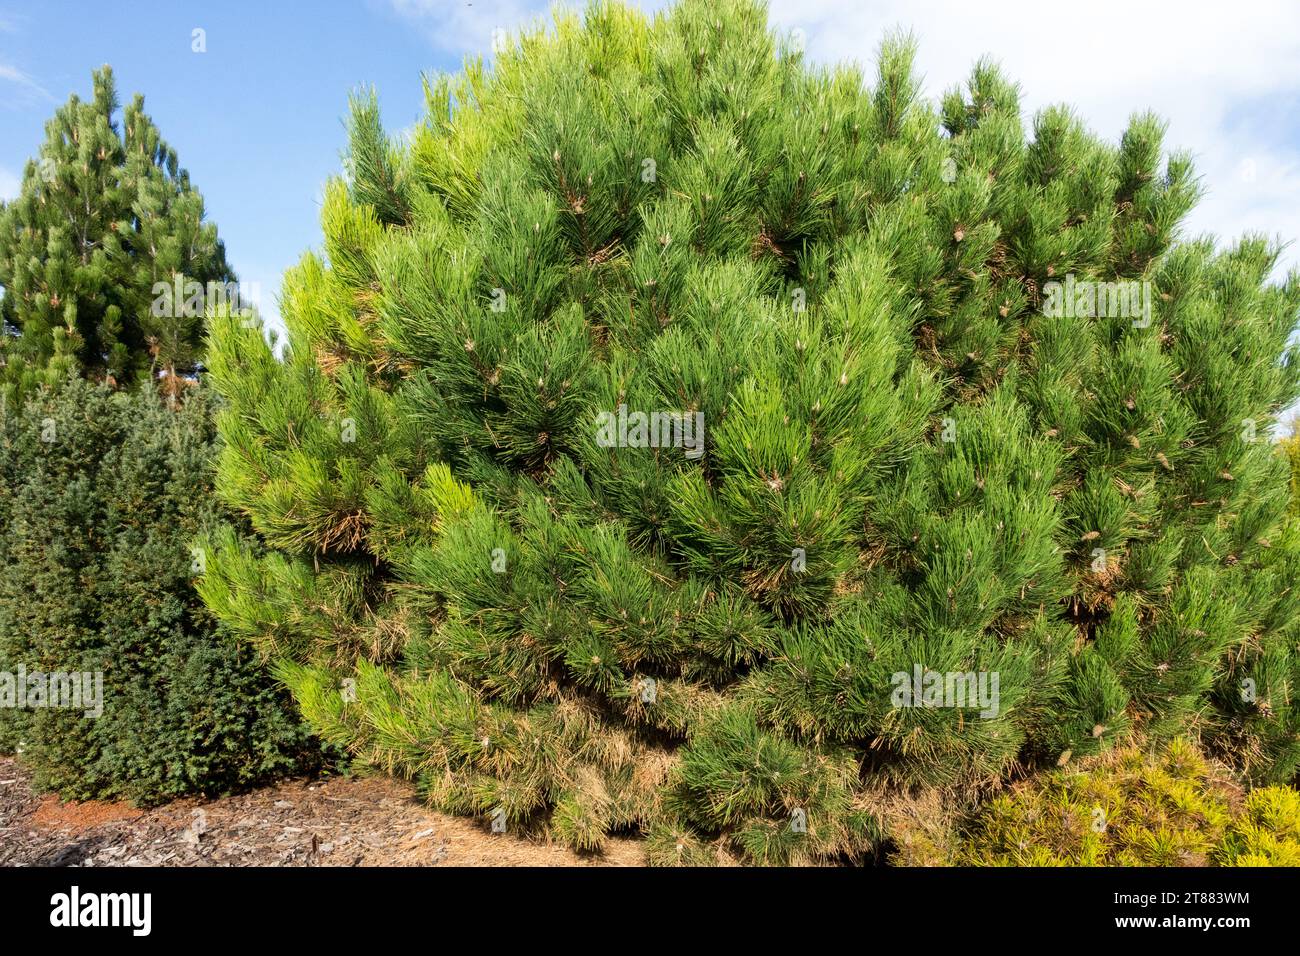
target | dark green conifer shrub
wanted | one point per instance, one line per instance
(102, 495)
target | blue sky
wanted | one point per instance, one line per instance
(257, 118)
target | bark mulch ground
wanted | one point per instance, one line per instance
(336, 821)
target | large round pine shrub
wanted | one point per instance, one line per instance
(674, 435)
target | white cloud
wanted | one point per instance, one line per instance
(28, 88)
(1223, 75)
(15, 75)
(454, 26)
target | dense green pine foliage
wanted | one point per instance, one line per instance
(102, 494)
(105, 213)
(911, 458)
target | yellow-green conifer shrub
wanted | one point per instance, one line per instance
(1129, 808)
(1267, 833)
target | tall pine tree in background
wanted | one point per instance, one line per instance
(923, 440)
(105, 213)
